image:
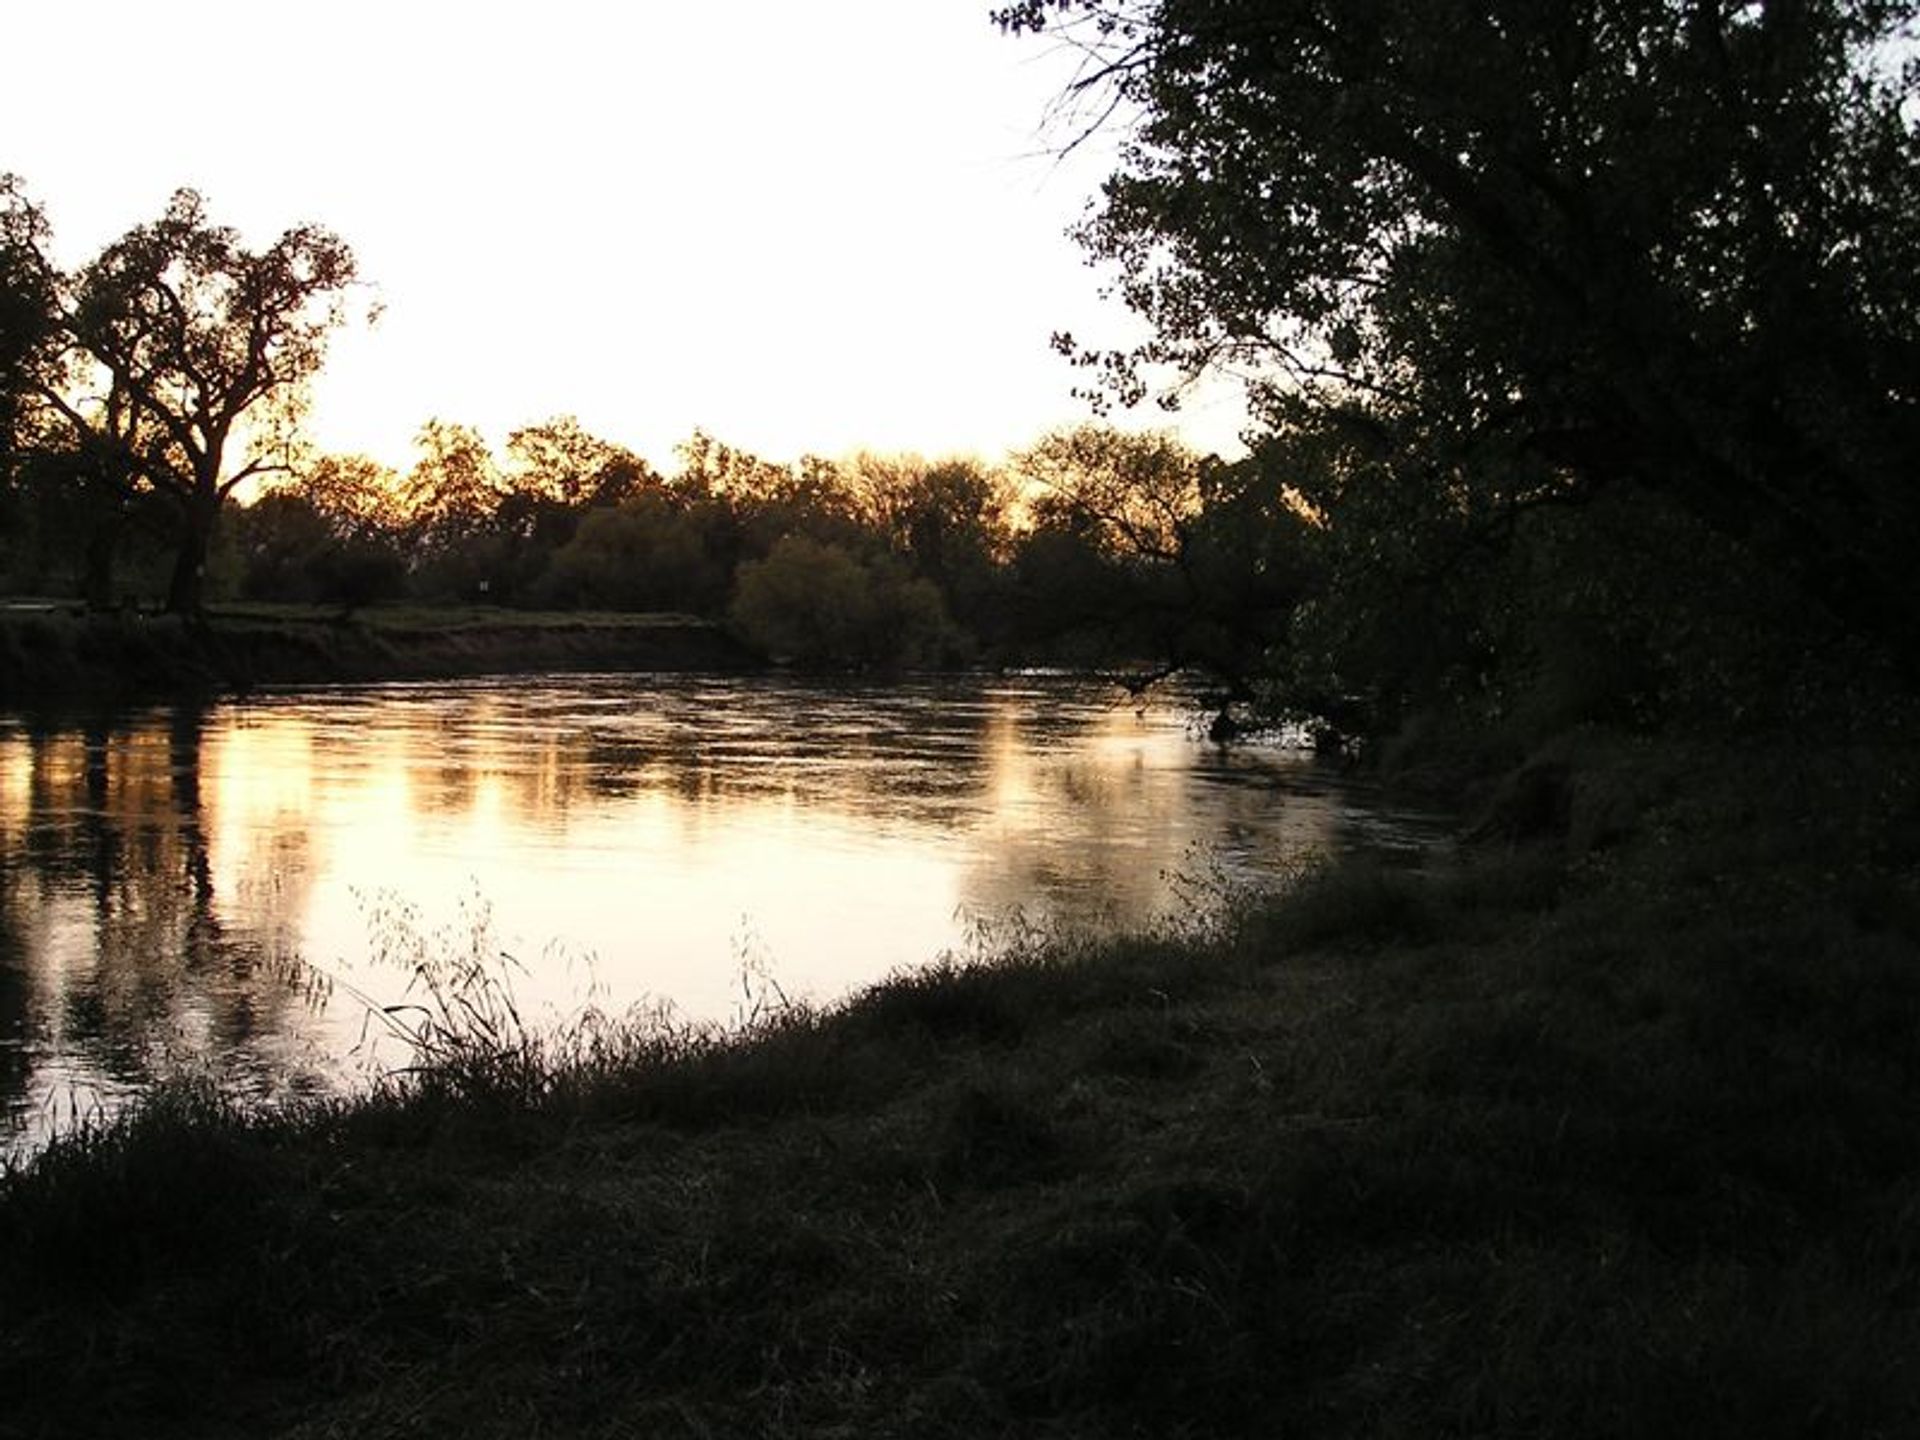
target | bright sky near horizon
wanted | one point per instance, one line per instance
(800, 227)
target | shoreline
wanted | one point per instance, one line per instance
(58, 654)
(1605, 1135)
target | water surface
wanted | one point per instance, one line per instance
(212, 886)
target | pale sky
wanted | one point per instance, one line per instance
(801, 227)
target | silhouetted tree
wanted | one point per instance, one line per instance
(650, 553)
(563, 463)
(709, 468)
(819, 605)
(186, 357)
(358, 496)
(74, 488)
(948, 519)
(450, 499)
(1136, 495)
(29, 315)
(1489, 255)
(1188, 563)
(282, 536)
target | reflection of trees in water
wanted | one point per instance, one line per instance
(907, 752)
(15, 999)
(1099, 839)
(117, 956)
(1079, 840)
(928, 754)
(158, 870)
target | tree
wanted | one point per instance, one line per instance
(78, 487)
(29, 314)
(359, 497)
(330, 529)
(948, 519)
(646, 554)
(820, 606)
(562, 462)
(1198, 563)
(187, 357)
(28, 325)
(454, 488)
(1488, 255)
(1136, 495)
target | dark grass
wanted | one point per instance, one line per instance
(1560, 1139)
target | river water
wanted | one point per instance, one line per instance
(224, 888)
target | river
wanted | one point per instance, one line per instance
(223, 888)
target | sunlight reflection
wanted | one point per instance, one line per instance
(171, 876)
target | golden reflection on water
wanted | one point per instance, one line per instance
(115, 958)
(173, 878)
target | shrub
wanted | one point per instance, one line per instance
(643, 555)
(817, 604)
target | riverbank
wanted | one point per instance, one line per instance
(55, 651)
(1616, 1131)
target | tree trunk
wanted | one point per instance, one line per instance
(186, 592)
(96, 579)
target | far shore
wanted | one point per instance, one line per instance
(56, 650)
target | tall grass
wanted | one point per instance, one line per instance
(1554, 1140)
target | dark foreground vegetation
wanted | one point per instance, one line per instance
(1586, 389)
(1615, 1131)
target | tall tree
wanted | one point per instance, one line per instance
(359, 497)
(454, 490)
(560, 461)
(80, 482)
(1496, 254)
(188, 355)
(28, 311)
(1203, 562)
(26, 324)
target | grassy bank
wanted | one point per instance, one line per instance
(55, 650)
(1615, 1132)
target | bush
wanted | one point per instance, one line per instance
(643, 555)
(818, 605)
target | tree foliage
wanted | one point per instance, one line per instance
(1182, 560)
(1488, 255)
(174, 362)
(819, 605)
(28, 310)
(358, 496)
(332, 530)
(561, 461)
(645, 554)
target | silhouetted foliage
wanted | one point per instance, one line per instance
(453, 491)
(359, 497)
(648, 553)
(1149, 552)
(562, 462)
(290, 548)
(818, 605)
(29, 315)
(177, 362)
(1485, 258)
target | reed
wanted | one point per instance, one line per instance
(1547, 1140)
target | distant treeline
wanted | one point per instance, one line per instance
(1092, 546)
(1582, 346)
(1096, 547)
